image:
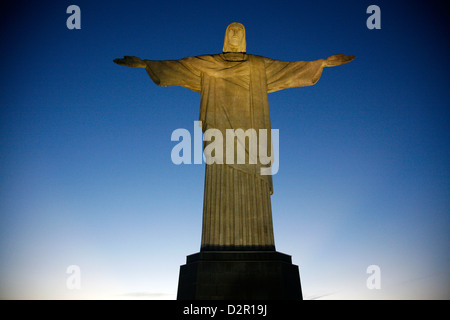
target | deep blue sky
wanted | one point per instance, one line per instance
(85, 168)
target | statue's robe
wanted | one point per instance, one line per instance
(237, 212)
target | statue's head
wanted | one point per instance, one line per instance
(235, 38)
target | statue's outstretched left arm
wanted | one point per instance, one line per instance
(337, 60)
(282, 74)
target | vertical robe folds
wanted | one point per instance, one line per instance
(237, 212)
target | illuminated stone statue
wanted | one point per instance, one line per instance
(233, 86)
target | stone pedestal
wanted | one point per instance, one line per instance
(239, 275)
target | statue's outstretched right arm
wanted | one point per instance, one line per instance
(168, 72)
(130, 61)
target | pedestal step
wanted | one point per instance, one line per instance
(239, 275)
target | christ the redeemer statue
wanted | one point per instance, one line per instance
(233, 85)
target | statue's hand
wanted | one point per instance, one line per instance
(337, 60)
(130, 61)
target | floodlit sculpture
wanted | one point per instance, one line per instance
(234, 87)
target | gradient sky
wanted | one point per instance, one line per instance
(85, 167)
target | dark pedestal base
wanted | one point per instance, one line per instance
(239, 275)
